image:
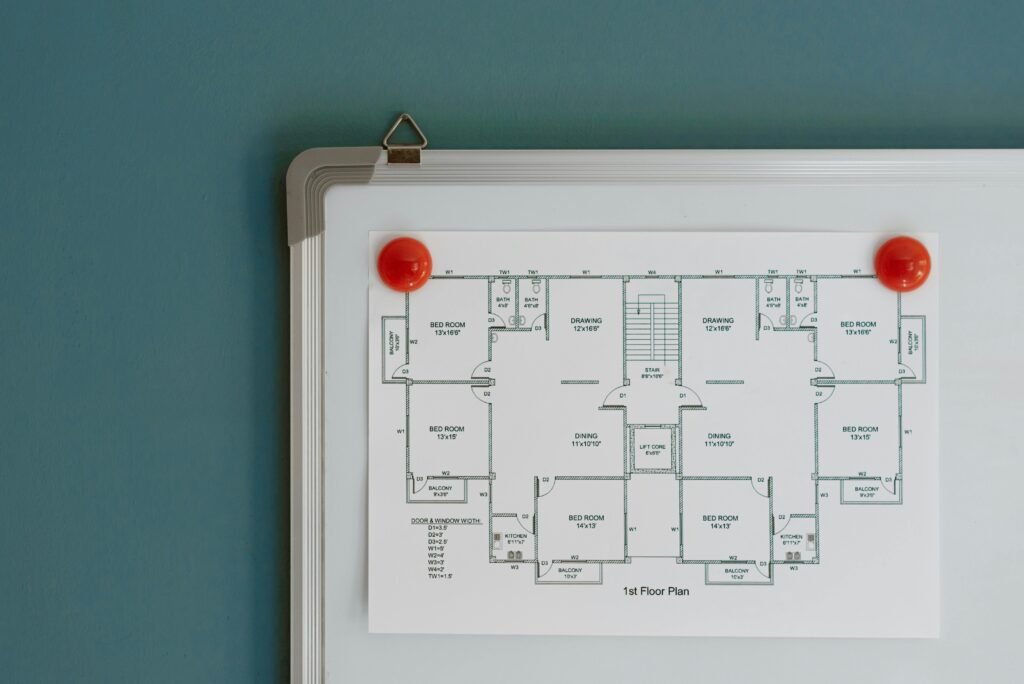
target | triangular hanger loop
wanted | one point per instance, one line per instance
(408, 153)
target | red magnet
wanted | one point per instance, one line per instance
(902, 264)
(404, 264)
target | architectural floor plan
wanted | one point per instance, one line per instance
(650, 443)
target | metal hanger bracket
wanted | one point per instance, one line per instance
(407, 153)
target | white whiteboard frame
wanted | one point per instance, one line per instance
(313, 172)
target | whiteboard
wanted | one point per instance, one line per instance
(337, 196)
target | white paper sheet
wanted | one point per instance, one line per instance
(654, 433)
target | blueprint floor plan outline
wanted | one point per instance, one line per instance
(642, 433)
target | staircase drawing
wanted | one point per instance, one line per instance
(652, 329)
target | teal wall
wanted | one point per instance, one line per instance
(143, 274)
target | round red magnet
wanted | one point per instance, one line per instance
(902, 264)
(404, 264)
